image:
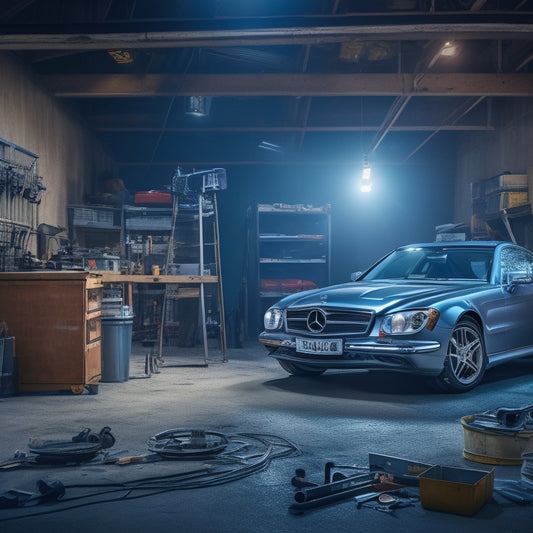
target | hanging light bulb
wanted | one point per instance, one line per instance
(365, 185)
(449, 49)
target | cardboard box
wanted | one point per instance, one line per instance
(455, 490)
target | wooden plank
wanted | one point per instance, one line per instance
(272, 32)
(115, 277)
(50, 275)
(428, 84)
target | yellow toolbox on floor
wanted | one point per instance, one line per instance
(455, 490)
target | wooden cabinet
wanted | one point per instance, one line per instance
(55, 319)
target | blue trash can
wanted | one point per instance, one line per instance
(116, 346)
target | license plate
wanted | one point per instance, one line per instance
(329, 346)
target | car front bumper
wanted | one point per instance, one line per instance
(417, 356)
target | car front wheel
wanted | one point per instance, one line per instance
(299, 370)
(466, 361)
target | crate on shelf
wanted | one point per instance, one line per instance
(95, 216)
(506, 182)
(504, 200)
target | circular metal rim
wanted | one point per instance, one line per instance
(157, 444)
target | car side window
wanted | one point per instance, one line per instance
(515, 263)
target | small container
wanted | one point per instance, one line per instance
(484, 445)
(455, 490)
(155, 270)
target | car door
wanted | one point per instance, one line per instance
(516, 265)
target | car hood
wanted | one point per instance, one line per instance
(378, 295)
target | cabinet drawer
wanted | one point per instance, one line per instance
(94, 329)
(94, 300)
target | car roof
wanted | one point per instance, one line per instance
(455, 244)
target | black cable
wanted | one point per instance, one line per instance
(210, 478)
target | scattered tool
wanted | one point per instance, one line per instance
(299, 479)
(504, 419)
(131, 459)
(49, 491)
(404, 471)
(337, 487)
(83, 447)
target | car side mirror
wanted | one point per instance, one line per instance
(354, 276)
(515, 279)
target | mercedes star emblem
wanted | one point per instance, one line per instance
(316, 321)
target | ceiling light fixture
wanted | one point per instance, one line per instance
(271, 147)
(197, 106)
(449, 49)
(365, 185)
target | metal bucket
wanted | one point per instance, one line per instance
(116, 346)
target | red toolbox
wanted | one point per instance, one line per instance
(153, 198)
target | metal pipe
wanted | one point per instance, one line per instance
(330, 498)
(342, 485)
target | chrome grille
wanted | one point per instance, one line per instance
(338, 322)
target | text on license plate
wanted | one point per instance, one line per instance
(329, 346)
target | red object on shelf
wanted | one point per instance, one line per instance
(153, 198)
(287, 285)
(271, 285)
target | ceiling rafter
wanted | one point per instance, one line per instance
(286, 77)
(327, 161)
(429, 84)
(291, 129)
(311, 30)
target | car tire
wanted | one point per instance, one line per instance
(299, 370)
(466, 359)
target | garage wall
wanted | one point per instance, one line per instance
(70, 159)
(508, 148)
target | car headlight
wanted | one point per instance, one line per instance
(407, 322)
(273, 318)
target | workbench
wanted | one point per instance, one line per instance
(129, 279)
(189, 286)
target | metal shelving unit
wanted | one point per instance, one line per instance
(288, 251)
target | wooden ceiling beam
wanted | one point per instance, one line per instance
(328, 161)
(150, 85)
(477, 25)
(290, 129)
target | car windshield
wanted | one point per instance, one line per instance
(459, 263)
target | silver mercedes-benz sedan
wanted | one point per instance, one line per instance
(447, 310)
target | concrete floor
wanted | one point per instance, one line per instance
(340, 417)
